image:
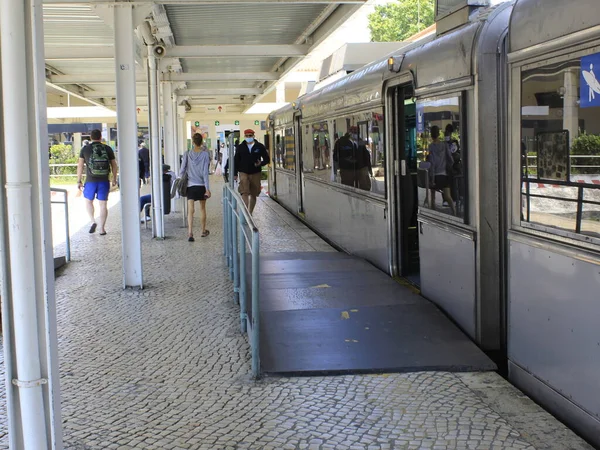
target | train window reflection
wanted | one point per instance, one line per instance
(560, 148)
(347, 151)
(285, 153)
(440, 156)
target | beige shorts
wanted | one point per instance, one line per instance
(249, 184)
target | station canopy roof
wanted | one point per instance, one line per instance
(231, 52)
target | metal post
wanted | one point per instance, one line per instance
(128, 157)
(232, 220)
(224, 215)
(242, 296)
(155, 159)
(68, 240)
(255, 339)
(236, 257)
(579, 209)
(27, 242)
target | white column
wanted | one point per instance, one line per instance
(156, 160)
(571, 108)
(280, 93)
(168, 122)
(30, 342)
(128, 157)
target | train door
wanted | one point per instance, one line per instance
(404, 146)
(299, 164)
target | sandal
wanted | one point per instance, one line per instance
(205, 233)
(93, 228)
(191, 239)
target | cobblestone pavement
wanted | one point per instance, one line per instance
(167, 367)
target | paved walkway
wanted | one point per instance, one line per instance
(167, 368)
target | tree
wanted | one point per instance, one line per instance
(400, 19)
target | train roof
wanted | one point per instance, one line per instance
(433, 61)
(535, 22)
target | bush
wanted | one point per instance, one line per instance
(62, 154)
(586, 144)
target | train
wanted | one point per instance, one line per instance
(508, 245)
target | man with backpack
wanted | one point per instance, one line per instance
(100, 160)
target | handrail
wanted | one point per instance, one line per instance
(239, 233)
(66, 203)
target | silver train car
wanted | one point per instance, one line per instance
(508, 243)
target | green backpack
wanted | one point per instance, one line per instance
(99, 164)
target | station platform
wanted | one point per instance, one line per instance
(168, 368)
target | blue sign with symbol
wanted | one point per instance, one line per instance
(589, 84)
(420, 118)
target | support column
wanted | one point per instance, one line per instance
(155, 159)
(26, 251)
(168, 121)
(571, 108)
(128, 158)
(280, 93)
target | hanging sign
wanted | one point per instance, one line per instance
(215, 109)
(589, 84)
(420, 118)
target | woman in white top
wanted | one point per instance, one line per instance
(196, 163)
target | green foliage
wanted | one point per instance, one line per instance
(586, 144)
(62, 154)
(401, 19)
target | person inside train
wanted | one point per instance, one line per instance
(353, 159)
(456, 173)
(440, 158)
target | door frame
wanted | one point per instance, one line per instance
(393, 112)
(299, 164)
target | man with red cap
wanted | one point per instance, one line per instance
(249, 158)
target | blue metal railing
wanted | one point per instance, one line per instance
(66, 203)
(240, 235)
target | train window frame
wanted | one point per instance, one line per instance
(516, 71)
(354, 117)
(461, 94)
(282, 129)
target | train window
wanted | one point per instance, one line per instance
(560, 147)
(316, 158)
(285, 149)
(440, 155)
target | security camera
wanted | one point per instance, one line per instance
(159, 51)
(187, 106)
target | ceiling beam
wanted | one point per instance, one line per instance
(219, 91)
(192, 2)
(207, 51)
(227, 76)
(91, 78)
(212, 101)
(56, 53)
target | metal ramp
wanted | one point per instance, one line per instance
(335, 313)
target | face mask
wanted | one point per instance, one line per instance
(249, 140)
(355, 137)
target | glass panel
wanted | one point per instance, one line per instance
(289, 162)
(440, 156)
(285, 149)
(560, 145)
(317, 161)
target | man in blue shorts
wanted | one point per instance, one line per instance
(99, 160)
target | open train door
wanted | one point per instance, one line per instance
(299, 164)
(402, 144)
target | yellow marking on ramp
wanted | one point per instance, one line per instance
(321, 286)
(345, 315)
(354, 310)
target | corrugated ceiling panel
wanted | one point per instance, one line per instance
(75, 25)
(210, 65)
(272, 23)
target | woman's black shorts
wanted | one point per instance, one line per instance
(441, 181)
(196, 193)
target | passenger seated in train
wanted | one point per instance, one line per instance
(440, 158)
(353, 160)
